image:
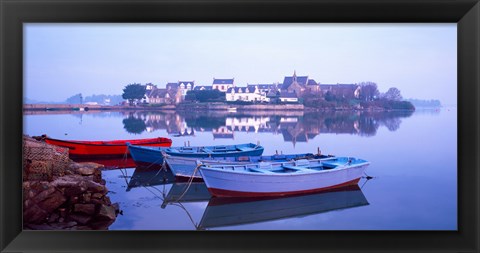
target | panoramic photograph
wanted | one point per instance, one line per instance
(240, 126)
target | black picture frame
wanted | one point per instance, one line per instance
(466, 13)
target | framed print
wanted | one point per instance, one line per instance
(239, 126)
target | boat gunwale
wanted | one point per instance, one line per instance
(227, 162)
(275, 174)
(86, 143)
(173, 153)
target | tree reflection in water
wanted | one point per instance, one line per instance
(134, 125)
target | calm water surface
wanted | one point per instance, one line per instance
(413, 161)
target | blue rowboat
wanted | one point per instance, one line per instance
(282, 178)
(185, 168)
(150, 156)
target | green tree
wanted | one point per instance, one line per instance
(134, 91)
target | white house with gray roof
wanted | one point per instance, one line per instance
(264, 88)
(223, 84)
(251, 94)
(286, 96)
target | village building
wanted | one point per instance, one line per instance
(223, 84)
(251, 94)
(183, 86)
(165, 96)
(312, 86)
(203, 87)
(299, 84)
(150, 86)
(170, 95)
(347, 91)
(186, 86)
(171, 86)
(272, 95)
(263, 88)
(289, 97)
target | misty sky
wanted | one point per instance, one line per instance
(65, 59)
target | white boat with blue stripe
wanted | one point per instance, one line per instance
(185, 168)
(282, 178)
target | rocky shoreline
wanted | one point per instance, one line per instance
(59, 194)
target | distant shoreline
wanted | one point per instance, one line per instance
(197, 107)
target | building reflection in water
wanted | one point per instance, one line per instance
(293, 126)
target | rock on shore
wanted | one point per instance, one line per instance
(75, 199)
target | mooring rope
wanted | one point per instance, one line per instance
(189, 181)
(174, 204)
(125, 175)
(121, 169)
(188, 214)
(367, 176)
(160, 191)
(364, 183)
(125, 157)
(162, 199)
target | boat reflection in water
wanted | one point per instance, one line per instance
(178, 192)
(183, 192)
(222, 212)
(145, 177)
(108, 162)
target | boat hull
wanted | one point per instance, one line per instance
(144, 156)
(222, 183)
(106, 148)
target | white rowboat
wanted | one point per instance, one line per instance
(282, 178)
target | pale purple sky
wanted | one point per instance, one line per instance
(65, 59)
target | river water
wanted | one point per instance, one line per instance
(413, 159)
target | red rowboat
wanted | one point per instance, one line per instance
(105, 148)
